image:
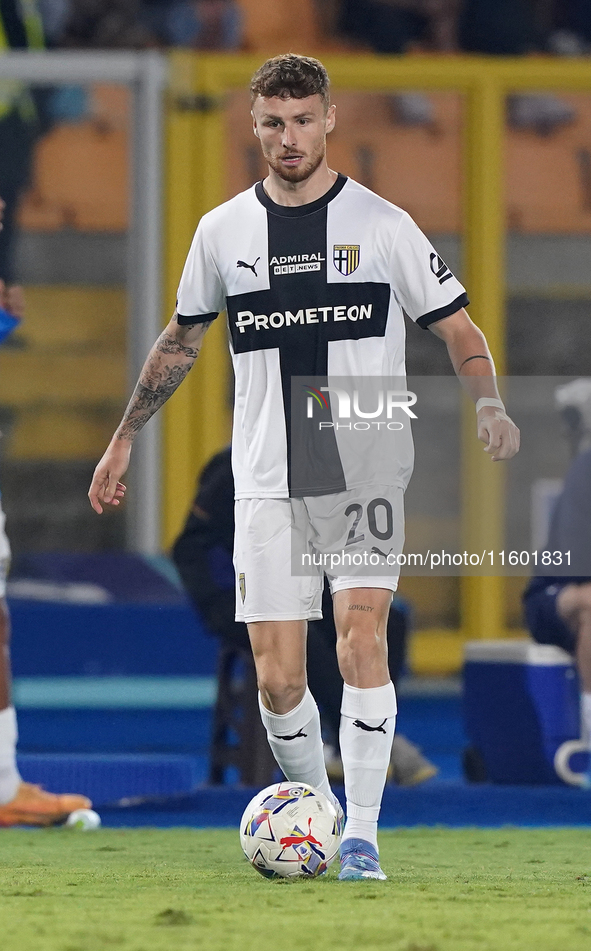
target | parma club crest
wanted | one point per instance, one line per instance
(345, 257)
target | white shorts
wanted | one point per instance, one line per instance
(271, 534)
(4, 555)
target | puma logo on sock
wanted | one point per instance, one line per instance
(370, 729)
(295, 735)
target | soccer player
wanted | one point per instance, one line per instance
(314, 272)
(20, 803)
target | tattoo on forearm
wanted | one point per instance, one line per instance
(160, 377)
(168, 344)
(477, 356)
(360, 607)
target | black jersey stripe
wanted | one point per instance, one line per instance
(304, 353)
(441, 312)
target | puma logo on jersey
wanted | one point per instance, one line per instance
(295, 736)
(251, 267)
(370, 729)
(311, 315)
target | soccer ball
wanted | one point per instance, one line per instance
(85, 819)
(291, 830)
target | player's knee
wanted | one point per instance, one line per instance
(360, 636)
(279, 691)
(360, 646)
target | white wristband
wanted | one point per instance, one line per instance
(489, 401)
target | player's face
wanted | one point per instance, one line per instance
(293, 134)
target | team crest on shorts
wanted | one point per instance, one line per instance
(345, 257)
(242, 585)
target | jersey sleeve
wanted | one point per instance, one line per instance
(424, 285)
(200, 295)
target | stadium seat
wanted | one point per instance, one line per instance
(81, 169)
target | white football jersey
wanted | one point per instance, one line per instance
(314, 291)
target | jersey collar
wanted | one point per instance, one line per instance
(299, 211)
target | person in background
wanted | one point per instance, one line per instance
(54, 14)
(20, 803)
(202, 554)
(198, 24)
(395, 26)
(104, 24)
(572, 28)
(21, 28)
(558, 607)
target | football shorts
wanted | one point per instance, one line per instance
(4, 555)
(283, 548)
(543, 620)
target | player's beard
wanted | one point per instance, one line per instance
(303, 171)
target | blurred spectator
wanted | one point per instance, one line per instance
(502, 27)
(571, 23)
(54, 14)
(203, 556)
(198, 24)
(104, 24)
(20, 121)
(394, 26)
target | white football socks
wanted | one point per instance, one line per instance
(586, 717)
(9, 775)
(296, 743)
(368, 719)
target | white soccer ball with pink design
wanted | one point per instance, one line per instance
(291, 830)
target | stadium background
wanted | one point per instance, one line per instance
(510, 211)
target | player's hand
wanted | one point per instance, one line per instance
(12, 300)
(499, 432)
(106, 487)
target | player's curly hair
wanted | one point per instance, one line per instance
(291, 76)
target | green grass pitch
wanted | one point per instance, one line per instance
(171, 890)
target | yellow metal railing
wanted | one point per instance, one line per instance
(198, 416)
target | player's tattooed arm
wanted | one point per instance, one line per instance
(167, 365)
